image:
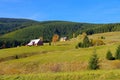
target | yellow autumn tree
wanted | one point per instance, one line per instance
(55, 38)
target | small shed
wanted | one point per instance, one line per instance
(63, 38)
(35, 42)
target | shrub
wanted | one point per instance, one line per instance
(94, 62)
(16, 57)
(80, 44)
(102, 37)
(109, 56)
(117, 54)
(97, 42)
(49, 43)
(86, 43)
(76, 47)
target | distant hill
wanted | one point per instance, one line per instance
(23, 30)
(12, 24)
(48, 29)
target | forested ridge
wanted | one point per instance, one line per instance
(20, 31)
(101, 28)
(11, 24)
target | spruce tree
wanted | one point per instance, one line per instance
(117, 54)
(94, 62)
(109, 55)
(86, 42)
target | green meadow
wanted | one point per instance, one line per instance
(60, 61)
(83, 75)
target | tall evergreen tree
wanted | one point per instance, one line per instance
(94, 62)
(86, 42)
(109, 55)
(117, 54)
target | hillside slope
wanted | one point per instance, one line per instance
(60, 61)
(61, 56)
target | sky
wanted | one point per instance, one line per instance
(88, 11)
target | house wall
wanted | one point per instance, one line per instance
(39, 43)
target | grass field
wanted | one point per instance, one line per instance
(61, 61)
(83, 75)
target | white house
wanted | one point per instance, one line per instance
(63, 39)
(35, 42)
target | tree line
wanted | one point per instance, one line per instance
(10, 24)
(104, 28)
(8, 43)
(62, 28)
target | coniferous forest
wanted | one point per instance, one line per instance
(17, 32)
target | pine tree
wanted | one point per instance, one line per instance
(117, 54)
(86, 42)
(94, 62)
(109, 55)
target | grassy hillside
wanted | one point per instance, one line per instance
(110, 37)
(60, 61)
(83, 75)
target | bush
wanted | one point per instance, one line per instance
(85, 44)
(94, 62)
(16, 57)
(76, 47)
(80, 44)
(109, 56)
(97, 42)
(117, 54)
(102, 37)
